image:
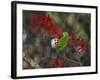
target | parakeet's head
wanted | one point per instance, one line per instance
(65, 34)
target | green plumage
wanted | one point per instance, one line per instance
(63, 41)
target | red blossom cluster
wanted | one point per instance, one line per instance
(47, 22)
(58, 63)
(54, 31)
(81, 45)
(74, 37)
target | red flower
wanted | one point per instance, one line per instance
(56, 28)
(82, 49)
(82, 43)
(51, 30)
(69, 43)
(58, 63)
(61, 64)
(85, 50)
(74, 37)
(43, 20)
(46, 21)
(49, 25)
(55, 62)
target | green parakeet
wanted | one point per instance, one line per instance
(62, 42)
